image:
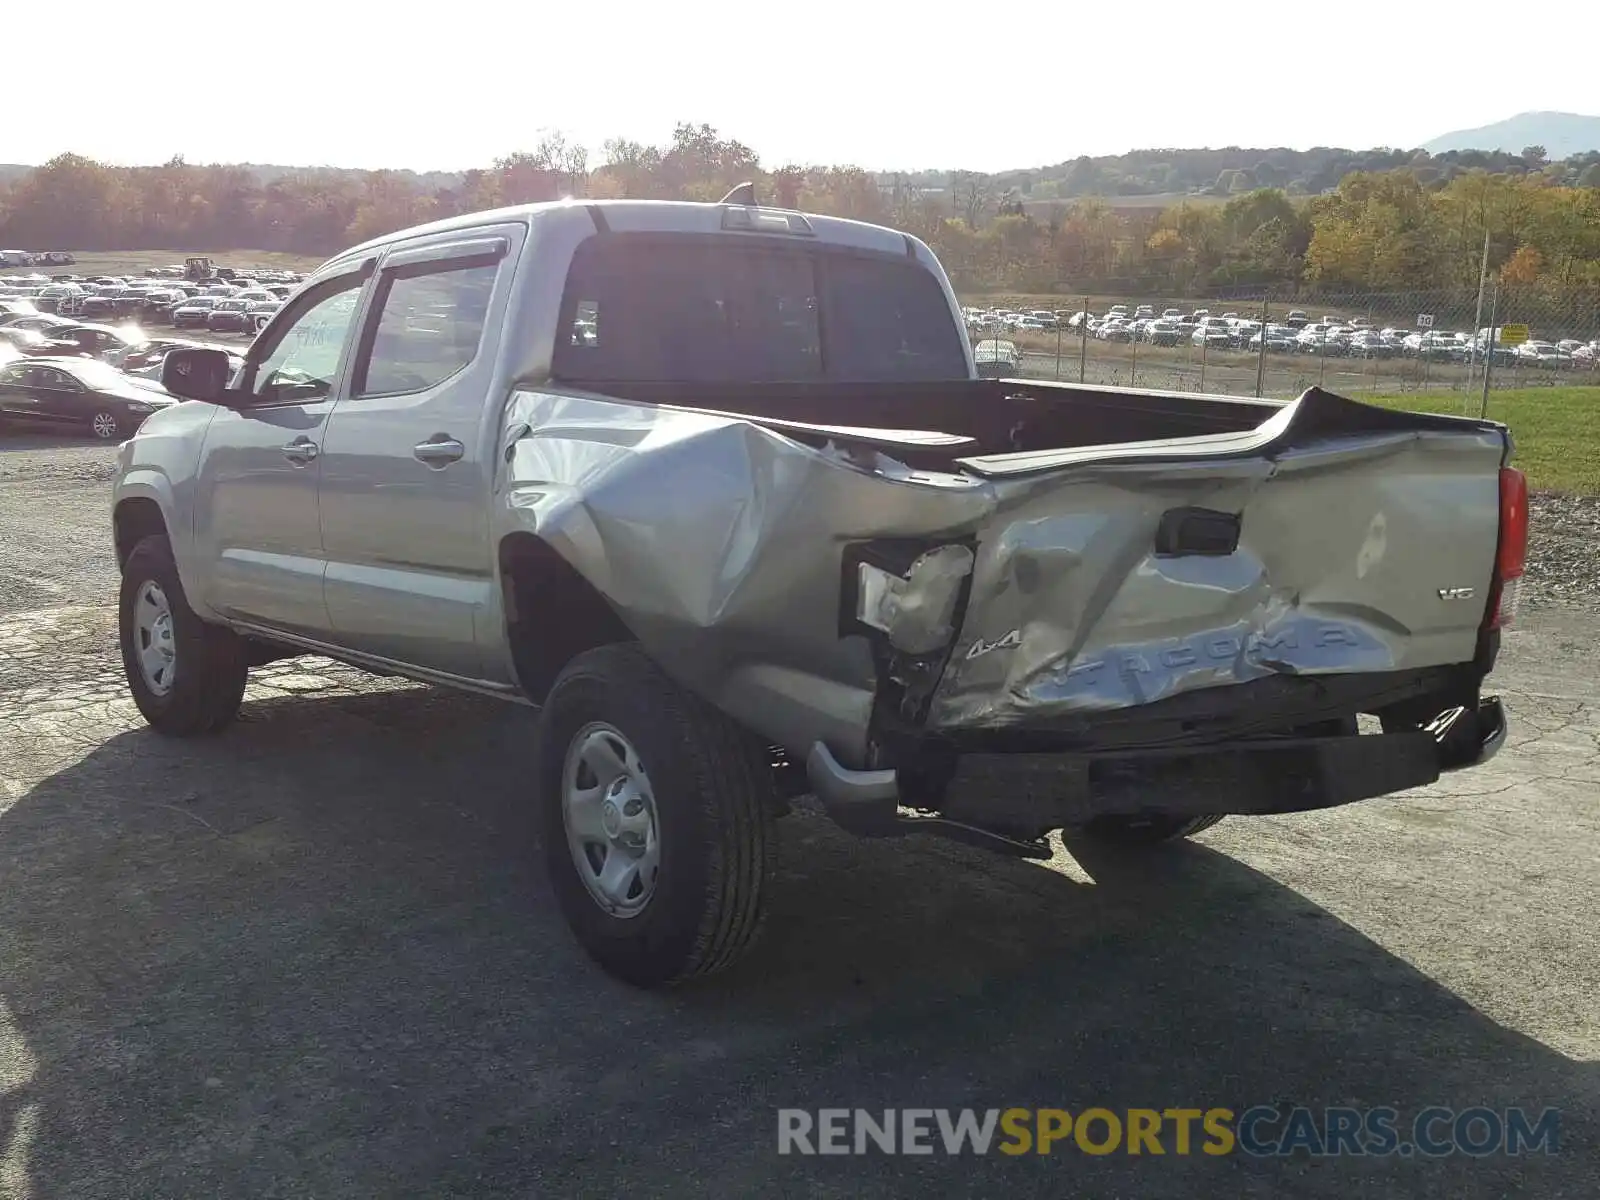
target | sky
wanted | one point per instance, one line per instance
(883, 86)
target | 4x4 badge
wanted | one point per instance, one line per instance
(1009, 642)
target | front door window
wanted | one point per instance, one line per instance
(303, 365)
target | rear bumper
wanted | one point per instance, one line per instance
(1025, 794)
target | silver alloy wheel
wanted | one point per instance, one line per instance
(153, 642)
(609, 813)
(104, 425)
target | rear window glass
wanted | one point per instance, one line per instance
(717, 310)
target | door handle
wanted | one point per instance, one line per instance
(438, 451)
(300, 451)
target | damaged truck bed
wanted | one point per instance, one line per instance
(1046, 603)
(719, 489)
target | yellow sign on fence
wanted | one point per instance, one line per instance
(1513, 335)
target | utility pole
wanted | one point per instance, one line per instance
(1488, 353)
(1483, 278)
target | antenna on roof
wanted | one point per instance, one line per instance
(744, 194)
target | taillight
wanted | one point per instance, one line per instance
(1511, 555)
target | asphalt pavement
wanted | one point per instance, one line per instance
(316, 957)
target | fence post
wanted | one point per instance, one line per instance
(1261, 358)
(1058, 349)
(1083, 343)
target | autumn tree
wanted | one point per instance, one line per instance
(971, 194)
(1523, 266)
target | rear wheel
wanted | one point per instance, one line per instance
(655, 812)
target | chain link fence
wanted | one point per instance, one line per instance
(1392, 343)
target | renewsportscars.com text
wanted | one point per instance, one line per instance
(1261, 1131)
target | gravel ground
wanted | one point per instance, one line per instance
(1564, 550)
(316, 956)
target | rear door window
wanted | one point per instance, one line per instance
(430, 324)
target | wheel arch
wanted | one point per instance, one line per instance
(552, 612)
(136, 517)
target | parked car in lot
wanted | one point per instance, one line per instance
(89, 341)
(1320, 338)
(259, 313)
(997, 358)
(1280, 339)
(87, 395)
(1543, 354)
(193, 312)
(1162, 332)
(21, 341)
(37, 322)
(59, 297)
(1368, 343)
(228, 314)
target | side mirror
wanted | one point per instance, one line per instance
(196, 374)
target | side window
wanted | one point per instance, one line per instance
(304, 363)
(430, 320)
(586, 323)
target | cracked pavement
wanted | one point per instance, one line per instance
(315, 956)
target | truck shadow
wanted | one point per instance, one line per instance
(316, 956)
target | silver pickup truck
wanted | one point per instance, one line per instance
(718, 488)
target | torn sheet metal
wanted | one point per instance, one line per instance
(720, 543)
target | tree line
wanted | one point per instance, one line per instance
(1405, 227)
(1232, 169)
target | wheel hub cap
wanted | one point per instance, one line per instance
(154, 644)
(609, 813)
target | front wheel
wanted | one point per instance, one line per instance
(187, 677)
(655, 812)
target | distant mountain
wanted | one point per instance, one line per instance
(12, 171)
(1561, 134)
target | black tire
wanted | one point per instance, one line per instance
(1146, 831)
(713, 795)
(210, 665)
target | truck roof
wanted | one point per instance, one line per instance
(658, 216)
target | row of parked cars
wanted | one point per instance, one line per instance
(238, 306)
(1296, 333)
(101, 379)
